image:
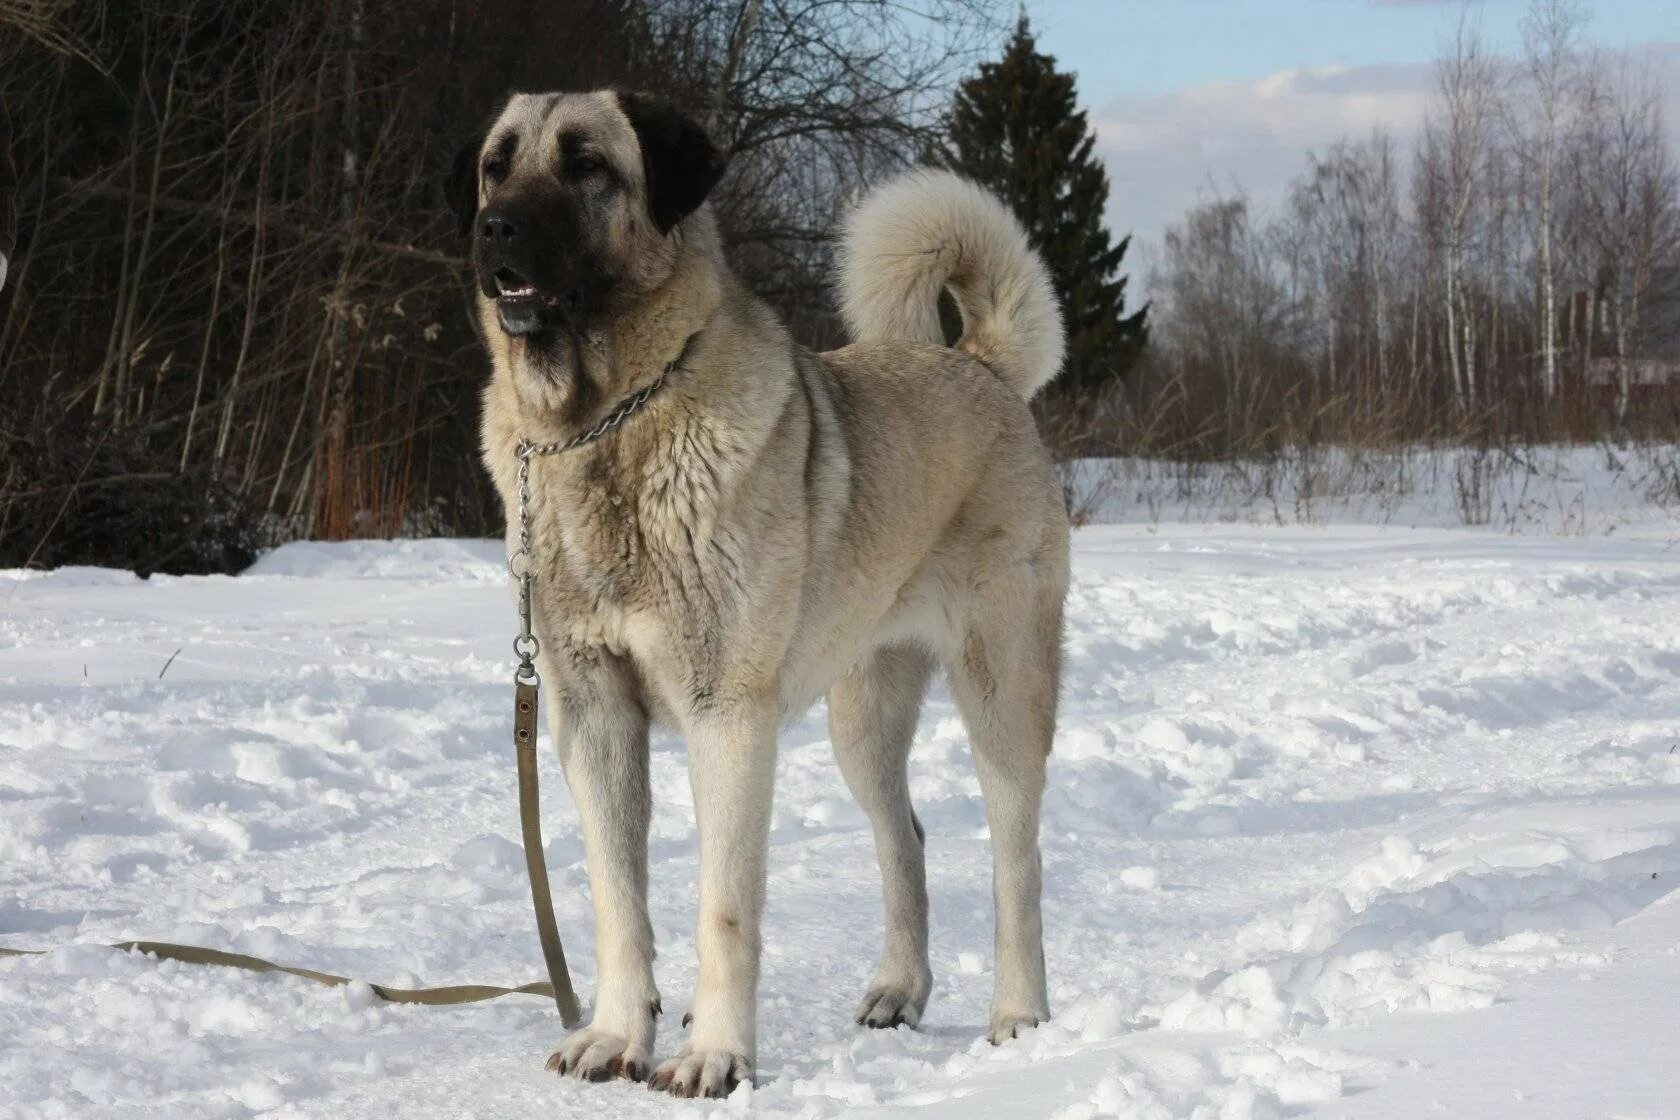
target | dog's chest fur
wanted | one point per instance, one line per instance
(632, 553)
(635, 526)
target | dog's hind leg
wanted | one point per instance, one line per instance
(602, 732)
(872, 714)
(1004, 678)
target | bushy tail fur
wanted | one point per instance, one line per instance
(928, 230)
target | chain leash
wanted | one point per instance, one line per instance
(525, 686)
(525, 645)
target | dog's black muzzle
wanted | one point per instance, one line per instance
(528, 262)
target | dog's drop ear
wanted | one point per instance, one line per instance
(460, 189)
(679, 161)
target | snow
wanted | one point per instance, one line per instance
(1558, 490)
(1343, 821)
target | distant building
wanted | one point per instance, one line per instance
(1654, 365)
(1643, 373)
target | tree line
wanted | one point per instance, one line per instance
(1515, 274)
(238, 314)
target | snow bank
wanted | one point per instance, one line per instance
(1557, 490)
(448, 561)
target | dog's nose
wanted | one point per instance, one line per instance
(498, 229)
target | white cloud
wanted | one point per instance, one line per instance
(1164, 152)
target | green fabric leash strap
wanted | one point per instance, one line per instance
(559, 985)
(530, 832)
(194, 954)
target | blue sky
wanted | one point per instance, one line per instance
(1129, 47)
(1189, 96)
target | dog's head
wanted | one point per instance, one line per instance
(573, 204)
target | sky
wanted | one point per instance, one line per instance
(1192, 96)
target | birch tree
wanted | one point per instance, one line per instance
(1454, 150)
(1550, 31)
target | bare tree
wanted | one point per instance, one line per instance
(1340, 238)
(812, 98)
(1228, 319)
(45, 24)
(236, 271)
(1453, 155)
(1367, 312)
(1627, 192)
(1551, 32)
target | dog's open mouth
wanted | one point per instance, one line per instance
(510, 285)
(521, 307)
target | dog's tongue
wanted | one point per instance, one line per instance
(520, 314)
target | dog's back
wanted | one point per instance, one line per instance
(949, 484)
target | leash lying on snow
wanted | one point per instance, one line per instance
(525, 686)
(559, 984)
(195, 954)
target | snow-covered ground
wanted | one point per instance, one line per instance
(1343, 821)
(1558, 490)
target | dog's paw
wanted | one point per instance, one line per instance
(1008, 1025)
(889, 1005)
(702, 1073)
(593, 1055)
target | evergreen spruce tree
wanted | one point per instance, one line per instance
(1016, 128)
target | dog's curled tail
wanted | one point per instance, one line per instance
(928, 230)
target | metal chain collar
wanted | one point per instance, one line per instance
(525, 646)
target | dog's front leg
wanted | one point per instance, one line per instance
(732, 765)
(601, 727)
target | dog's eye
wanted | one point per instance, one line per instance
(583, 164)
(495, 169)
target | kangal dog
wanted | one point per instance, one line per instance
(769, 525)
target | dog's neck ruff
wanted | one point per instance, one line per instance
(627, 408)
(519, 563)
